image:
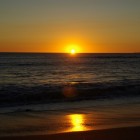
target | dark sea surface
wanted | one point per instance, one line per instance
(65, 84)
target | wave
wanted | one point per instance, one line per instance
(12, 95)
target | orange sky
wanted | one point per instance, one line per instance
(53, 25)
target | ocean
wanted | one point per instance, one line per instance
(42, 93)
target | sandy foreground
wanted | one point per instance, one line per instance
(127, 133)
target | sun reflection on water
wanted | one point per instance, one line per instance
(77, 122)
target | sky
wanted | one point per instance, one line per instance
(102, 26)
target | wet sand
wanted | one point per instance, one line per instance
(127, 133)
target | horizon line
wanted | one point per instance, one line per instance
(78, 53)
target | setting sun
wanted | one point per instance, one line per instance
(73, 51)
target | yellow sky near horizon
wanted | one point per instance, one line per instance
(54, 25)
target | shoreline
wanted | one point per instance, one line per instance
(124, 133)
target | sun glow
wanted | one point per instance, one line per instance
(73, 49)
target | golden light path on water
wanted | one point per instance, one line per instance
(77, 122)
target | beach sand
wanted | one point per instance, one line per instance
(127, 133)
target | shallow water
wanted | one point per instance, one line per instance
(78, 119)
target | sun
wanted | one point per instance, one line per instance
(73, 51)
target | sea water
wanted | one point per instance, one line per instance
(39, 87)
